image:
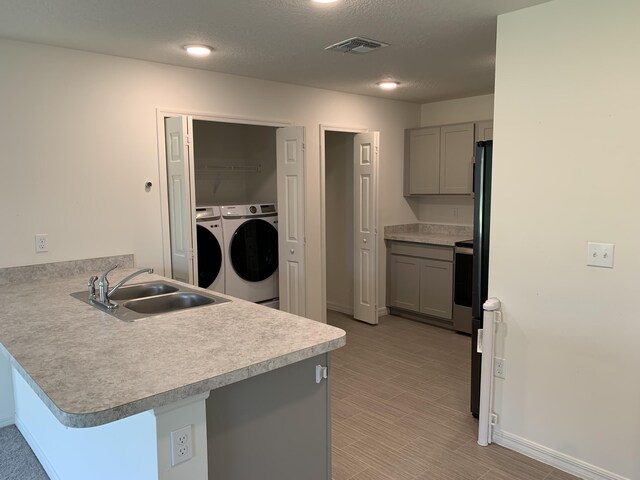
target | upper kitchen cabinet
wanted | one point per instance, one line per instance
(422, 159)
(439, 160)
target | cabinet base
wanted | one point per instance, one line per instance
(420, 317)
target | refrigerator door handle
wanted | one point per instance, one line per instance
(479, 343)
(473, 177)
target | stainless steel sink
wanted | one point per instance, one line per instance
(153, 298)
(168, 303)
(142, 290)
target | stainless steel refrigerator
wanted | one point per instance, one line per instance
(481, 222)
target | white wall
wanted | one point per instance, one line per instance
(339, 222)
(450, 208)
(566, 170)
(218, 146)
(78, 135)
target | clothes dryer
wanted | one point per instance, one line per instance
(211, 268)
(251, 251)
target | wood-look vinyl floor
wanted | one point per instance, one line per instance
(400, 407)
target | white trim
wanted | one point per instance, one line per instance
(6, 421)
(39, 453)
(339, 308)
(201, 397)
(326, 127)
(559, 460)
(383, 311)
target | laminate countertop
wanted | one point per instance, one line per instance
(91, 368)
(429, 233)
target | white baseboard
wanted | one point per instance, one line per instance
(339, 308)
(551, 457)
(6, 421)
(44, 461)
(382, 311)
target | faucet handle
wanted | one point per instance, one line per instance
(92, 286)
(103, 284)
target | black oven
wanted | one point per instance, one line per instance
(463, 283)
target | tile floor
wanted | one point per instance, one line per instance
(400, 408)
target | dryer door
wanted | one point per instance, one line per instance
(209, 256)
(254, 250)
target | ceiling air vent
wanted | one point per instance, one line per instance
(357, 45)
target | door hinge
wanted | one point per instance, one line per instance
(187, 139)
(321, 373)
(494, 419)
(304, 147)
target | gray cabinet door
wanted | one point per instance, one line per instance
(456, 158)
(272, 426)
(404, 278)
(424, 161)
(436, 288)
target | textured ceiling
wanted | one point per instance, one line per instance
(439, 49)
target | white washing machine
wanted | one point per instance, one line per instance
(251, 251)
(211, 268)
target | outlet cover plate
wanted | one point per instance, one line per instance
(181, 445)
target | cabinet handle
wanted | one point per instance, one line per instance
(292, 251)
(364, 240)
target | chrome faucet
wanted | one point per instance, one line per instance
(103, 287)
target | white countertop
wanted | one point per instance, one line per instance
(90, 368)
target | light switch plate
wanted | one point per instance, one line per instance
(600, 254)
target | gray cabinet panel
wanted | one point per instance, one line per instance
(424, 161)
(274, 426)
(404, 291)
(436, 288)
(484, 130)
(456, 159)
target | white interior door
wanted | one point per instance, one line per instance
(291, 218)
(181, 195)
(365, 220)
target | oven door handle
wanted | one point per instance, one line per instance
(463, 251)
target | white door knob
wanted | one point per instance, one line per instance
(292, 251)
(364, 240)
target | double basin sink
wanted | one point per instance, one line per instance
(152, 298)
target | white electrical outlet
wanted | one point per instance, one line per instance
(181, 445)
(42, 242)
(499, 367)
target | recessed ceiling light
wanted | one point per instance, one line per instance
(198, 50)
(386, 85)
(325, 1)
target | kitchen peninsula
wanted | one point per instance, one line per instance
(226, 371)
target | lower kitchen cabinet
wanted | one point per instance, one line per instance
(421, 279)
(272, 426)
(436, 288)
(404, 290)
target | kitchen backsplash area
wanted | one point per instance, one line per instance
(45, 271)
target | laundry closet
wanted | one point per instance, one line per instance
(235, 186)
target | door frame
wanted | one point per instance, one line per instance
(328, 127)
(161, 114)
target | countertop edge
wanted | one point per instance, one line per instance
(94, 419)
